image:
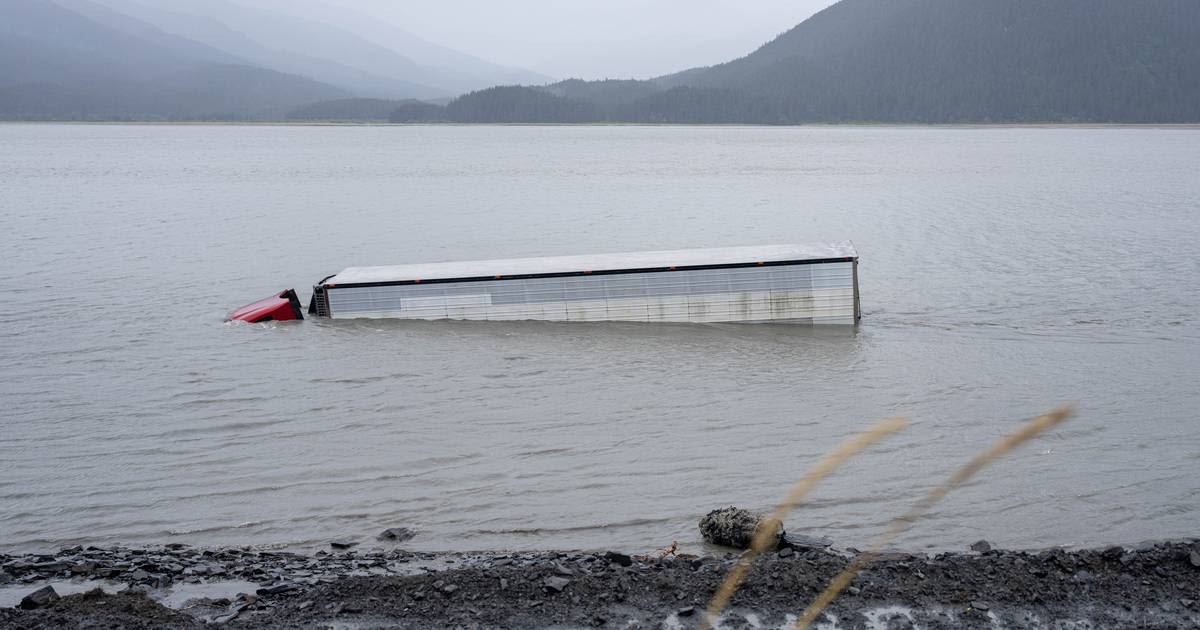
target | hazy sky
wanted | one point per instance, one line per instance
(595, 39)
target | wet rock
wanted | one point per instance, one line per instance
(555, 583)
(981, 546)
(1194, 558)
(83, 568)
(980, 606)
(342, 544)
(686, 612)
(734, 527)
(276, 589)
(561, 569)
(802, 541)
(787, 552)
(39, 599)
(450, 589)
(619, 558)
(397, 534)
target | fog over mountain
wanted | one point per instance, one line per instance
(597, 39)
(236, 59)
(56, 63)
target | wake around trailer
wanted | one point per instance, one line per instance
(801, 284)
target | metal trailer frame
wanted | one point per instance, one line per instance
(811, 284)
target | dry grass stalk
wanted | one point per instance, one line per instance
(1001, 447)
(768, 528)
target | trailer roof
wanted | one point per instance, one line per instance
(593, 262)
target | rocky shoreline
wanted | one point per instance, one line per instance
(1150, 585)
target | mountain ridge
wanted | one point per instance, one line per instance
(925, 61)
(60, 64)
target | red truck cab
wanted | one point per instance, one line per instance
(277, 308)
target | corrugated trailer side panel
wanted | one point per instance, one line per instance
(816, 293)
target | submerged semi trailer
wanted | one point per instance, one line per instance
(802, 284)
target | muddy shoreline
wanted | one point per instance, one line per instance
(1148, 585)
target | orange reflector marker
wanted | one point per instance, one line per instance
(498, 277)
(760, 263)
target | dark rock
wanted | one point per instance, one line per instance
(734, 527)
(139, 575)
(801, 541)
(342, 544)
(787, 552)
(619, 558)
(397, 534)
(1194, 558)
(83, 568)
(39, 599)
(853, 590)
(687, 612)
(561, 569)
(982, 546)
(556, 584)
(276, 589)
(981, 606)
(231, 615)
(450, 589)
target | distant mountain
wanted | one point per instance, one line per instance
(978, 61)
(91, 63)
(922, 61)
(335, 45)
(285, 43)
(448, 69)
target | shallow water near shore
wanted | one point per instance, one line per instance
(1004, 270)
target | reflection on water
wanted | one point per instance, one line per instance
(1003, 271)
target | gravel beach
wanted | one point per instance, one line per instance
(1151, 585)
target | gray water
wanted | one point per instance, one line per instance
(1003, 271)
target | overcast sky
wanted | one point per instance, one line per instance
(596, 39)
